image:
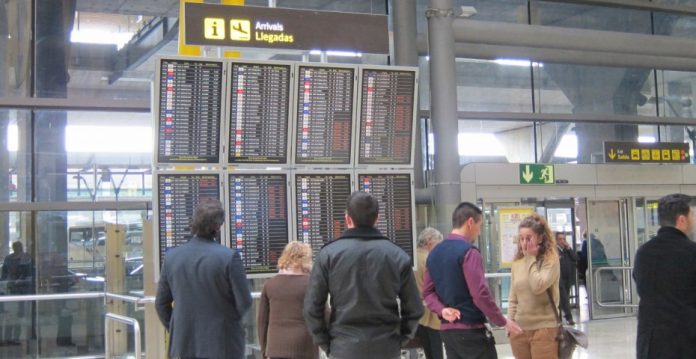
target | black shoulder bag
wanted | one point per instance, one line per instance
(568, 338)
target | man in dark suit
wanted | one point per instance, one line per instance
(665, 275)
(208, 284)
(568, 259)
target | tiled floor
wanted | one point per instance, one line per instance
(609, 339)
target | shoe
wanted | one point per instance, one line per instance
(571, 322)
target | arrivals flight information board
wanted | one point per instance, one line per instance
(259, 113)
(394, 193)
(386, 116)
(320, 204)
(258, 219)
(324, 115)
(189, 111)
(178, 195)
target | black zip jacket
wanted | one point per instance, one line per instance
(364, 273)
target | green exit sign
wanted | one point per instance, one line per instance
(536, 174)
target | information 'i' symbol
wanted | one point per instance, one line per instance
(214, 28)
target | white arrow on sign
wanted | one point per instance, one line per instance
(527, 174)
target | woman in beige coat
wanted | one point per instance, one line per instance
(535, 271)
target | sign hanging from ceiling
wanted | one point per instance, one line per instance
(273, 28)
(639, 152)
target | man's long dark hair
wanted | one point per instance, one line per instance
(207, 219)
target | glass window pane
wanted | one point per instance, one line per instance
(15, 156)
(85, 56)
(495, 10)
(676, 89)
(496, 141)
(677, 100)
(562, 88)
(15, 48)
(494, 86)
(359, 6)
(590, 17)
(93, 155)
(674, 25)
(567, 142)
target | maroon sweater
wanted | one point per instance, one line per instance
(281, 327)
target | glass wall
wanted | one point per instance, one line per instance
(43, 265)
(79, 51)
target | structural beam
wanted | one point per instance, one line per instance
(576, 117)
(561, 38)
(75, 104)
(593, 58)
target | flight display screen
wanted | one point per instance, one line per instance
(320, 204)
(259, 113)
(394, 193)
(324, 115)
(189, 111)
(386, 116)
(258, 219)
(178, 196)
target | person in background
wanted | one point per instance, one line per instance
(208, 283)
(364, 273)
(455, 288)
(17, 271)
(429, 326)
(568, 260)
(665, 275)
(535, 272)
(281, 327)
(582, 260)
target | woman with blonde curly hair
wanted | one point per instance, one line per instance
(535, 271)
(281, 327)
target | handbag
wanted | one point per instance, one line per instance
(568, 338)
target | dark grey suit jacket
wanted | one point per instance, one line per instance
(208, 284)
(665, 274)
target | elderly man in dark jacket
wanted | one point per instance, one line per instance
(365, 273)
(665, 275)
(208, 284)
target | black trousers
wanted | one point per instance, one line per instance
(469, 344)
(564, 301)
(431, 341)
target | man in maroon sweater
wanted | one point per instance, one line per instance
(455, 288)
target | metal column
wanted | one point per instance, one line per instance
(443, 102)
(406, 54)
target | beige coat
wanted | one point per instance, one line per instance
(529, 304)
(429, 319)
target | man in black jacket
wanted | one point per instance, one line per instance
(365, 273)
(665, 275)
